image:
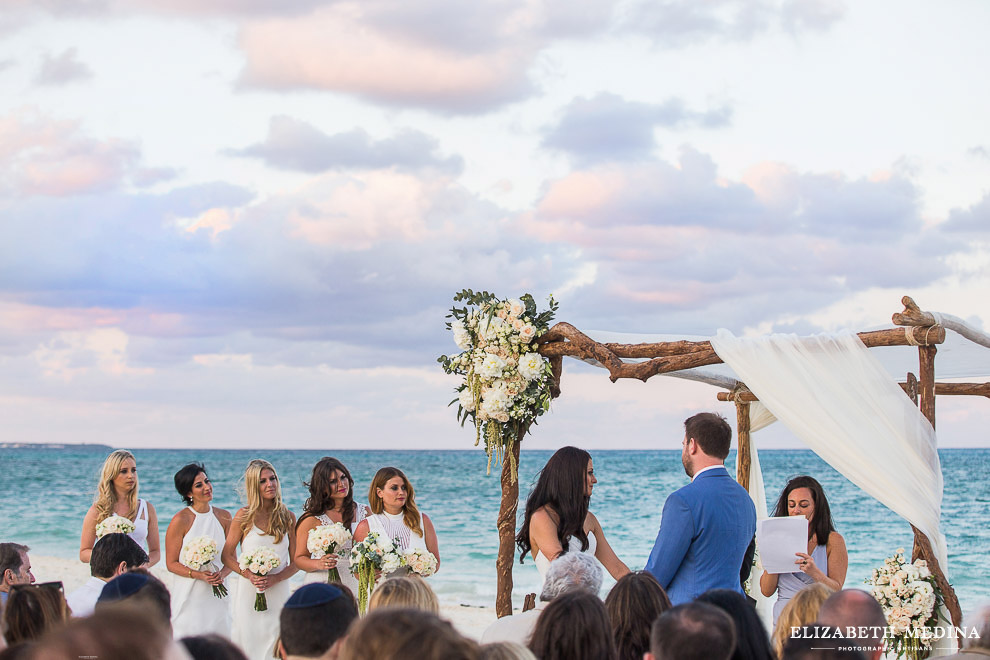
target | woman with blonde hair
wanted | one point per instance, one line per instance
(117, 494)
(409, 591)
(801, 610)
(394, 515)
(264, 522)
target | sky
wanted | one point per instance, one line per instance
(241, 223)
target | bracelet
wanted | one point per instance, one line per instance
(190, 571)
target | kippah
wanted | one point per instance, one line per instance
(313, 594)
(122, 586)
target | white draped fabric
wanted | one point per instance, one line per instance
(759, 417)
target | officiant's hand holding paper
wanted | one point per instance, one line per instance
(780, 540)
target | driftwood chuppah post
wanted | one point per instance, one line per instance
(920, 329)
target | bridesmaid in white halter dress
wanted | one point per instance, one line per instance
(264, 522)
(331, 500)
(195, 610)
(557, 514)
(118, 494)
(394, 515)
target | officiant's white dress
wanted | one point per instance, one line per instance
(195, 610)
(573, 545)
(256, 632)
(343, 554)
(393, 526)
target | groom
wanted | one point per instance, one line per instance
(707, 525)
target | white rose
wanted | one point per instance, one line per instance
(516, 307)
(461, 336)
(491, 366)
(531, 366)
(466, 399)
(497, 396)
(527, 333)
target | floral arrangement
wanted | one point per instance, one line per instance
(200, 552)
(260, 562)
(114, 525)
(374, 554)
(326, 540)
(910, 599)
(506, 381)
(421, 562)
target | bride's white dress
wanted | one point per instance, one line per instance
(344, 554)
(257, 632)
(573, 545)
(195, 610)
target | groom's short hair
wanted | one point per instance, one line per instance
(712, 433)
(693, 631)
(314, 618)
(110, 550)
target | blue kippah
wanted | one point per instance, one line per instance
(313, 594)
(122, 586)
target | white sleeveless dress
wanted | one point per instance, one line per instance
(573, 545)
(140, 533)
(343, 554)
(394, 527)
(257, 632)
(195, 610)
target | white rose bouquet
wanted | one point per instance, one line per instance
(260, 562)
(199, 553)
(114, 525)
(507, 383)
(326, 540)
(910, 599)
(374, 553)
(421, 562)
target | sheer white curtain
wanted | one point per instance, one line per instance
(759, 418)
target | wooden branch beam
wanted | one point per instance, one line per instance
(926, 382)
(947, 389)
(923, 549)
(742, 444)
(913, 315)
(507, 531)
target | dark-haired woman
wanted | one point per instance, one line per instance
(633, 604)
(331, 500)
(574, 626)
(195, 610)
(752, 640)
(825, 562)
(557, 519)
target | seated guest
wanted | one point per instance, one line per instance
(314, 622)
(15, 568)
(112, 555)
(405, 591)
(975, 647)
(692, 631)
(400, 634)
(211, 647)
(854, 607)
(574, 626)
(505, 651)
(32, 610)
(123, 631)
(633, 604)
(752, 642)
(815, 643)
(139, 588)
(800, 611)
(574, 571)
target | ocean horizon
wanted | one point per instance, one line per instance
(57, 485)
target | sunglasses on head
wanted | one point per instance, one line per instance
(53, 586)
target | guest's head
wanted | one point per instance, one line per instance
(314, 621)
(574, 626)
(978, 620)
(752, 642)
(854, 608)
(633, 604)
(407, 591)
(505, 651)
(264, 492)
(564, 485)
(804, 496)
(397, 634)
(32, 610)
(331, 488)
(114, 554)
(15, 565)
(125, 631)
(118, 482)
(801, 610)
(22, 651)
(692, 631)
(816, 642)
(193, 485)
(212, 647)
(574, 571)
(391, 491)
(139, 588)
(707, 437)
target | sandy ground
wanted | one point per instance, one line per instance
(471, 621)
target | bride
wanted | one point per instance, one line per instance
(557, 519)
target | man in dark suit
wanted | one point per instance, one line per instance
(707, 525)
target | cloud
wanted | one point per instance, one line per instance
(296, 145)
(607, 127)
(979, 151)
(976, 218)
(62, 69)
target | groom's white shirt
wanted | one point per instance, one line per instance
(710, 467)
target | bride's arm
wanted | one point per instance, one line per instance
(604, 553)
(431, 538)
(543, 535)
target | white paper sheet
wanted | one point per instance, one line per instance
(778, 539)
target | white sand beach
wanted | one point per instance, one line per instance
(470, 621)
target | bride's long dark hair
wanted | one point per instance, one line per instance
(561, 487)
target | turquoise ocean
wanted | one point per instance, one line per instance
(49, 491)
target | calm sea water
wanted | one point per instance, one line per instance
(49, 491)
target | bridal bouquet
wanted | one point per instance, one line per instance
(114, 525)
(200, 552)
(326, 540)
(506, 381)
(374, 553)
(260, 561)
(421, 562)
(910, 599)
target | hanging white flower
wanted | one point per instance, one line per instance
(466, 399)
(461, 335)
(530, 366)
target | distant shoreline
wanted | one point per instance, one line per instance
(108, 448)
(52, 445)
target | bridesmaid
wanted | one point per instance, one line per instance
(265, 521)
(195, 610)
(331, 499)
(118, 494)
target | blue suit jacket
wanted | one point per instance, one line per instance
(704, 533)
